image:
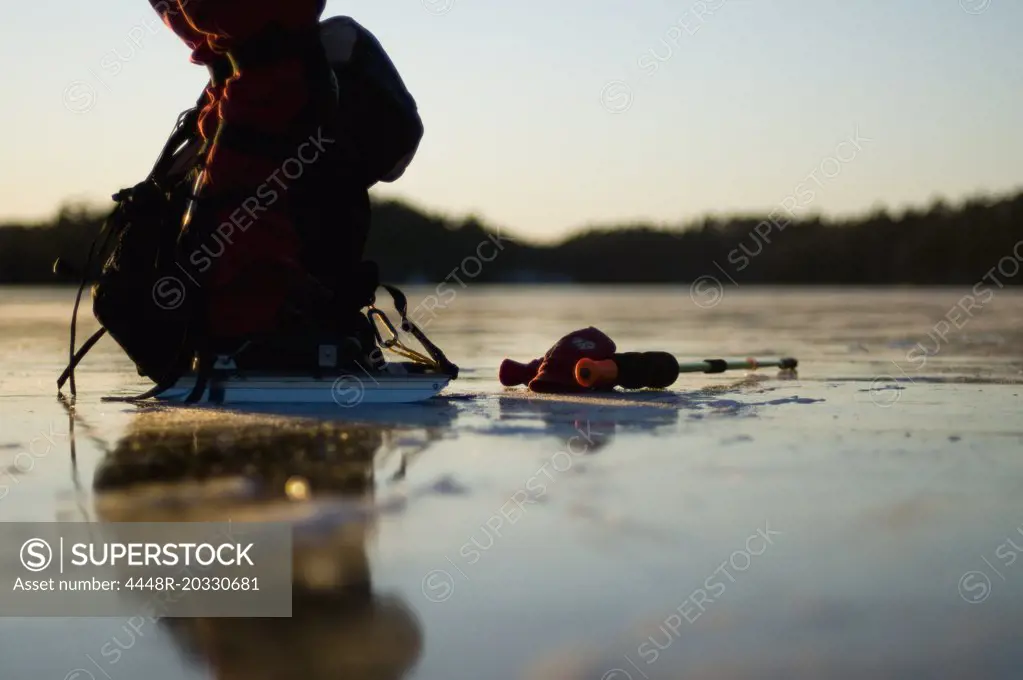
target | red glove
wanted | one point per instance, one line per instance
(555, 372)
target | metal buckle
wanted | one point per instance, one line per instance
(375, 313)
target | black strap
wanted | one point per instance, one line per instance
(401, 304)
(202, 377)
(165, 384)
(186, 128)
(154, 391)
(102, 239)
(77, 358)
(217, 391)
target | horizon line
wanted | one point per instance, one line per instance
(94, 206)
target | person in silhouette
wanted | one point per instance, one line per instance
(270, 89)
(280, 210)
(243, 248)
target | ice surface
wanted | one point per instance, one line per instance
(857, 521)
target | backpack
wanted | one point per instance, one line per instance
(142, 298)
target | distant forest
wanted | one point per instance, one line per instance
(941, 244)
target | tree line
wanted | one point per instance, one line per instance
(941, 244)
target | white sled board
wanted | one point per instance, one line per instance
(346, 391)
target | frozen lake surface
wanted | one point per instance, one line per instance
(861, 520)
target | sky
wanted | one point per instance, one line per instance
(544, 117)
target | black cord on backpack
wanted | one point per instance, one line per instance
(185, 120)
(75, 356)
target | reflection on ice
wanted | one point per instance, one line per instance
(187, 465)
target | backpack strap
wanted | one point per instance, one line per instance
(184, 131)
(201, 381)
(76, 358)
(103, 239)
(401, 304)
